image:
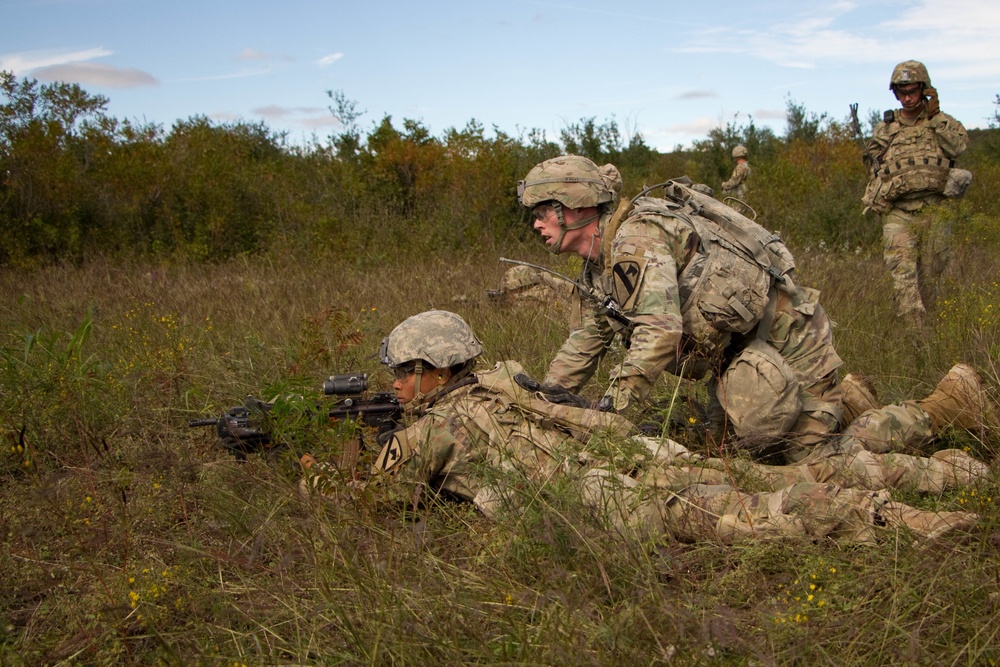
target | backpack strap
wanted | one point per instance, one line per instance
(625, 207)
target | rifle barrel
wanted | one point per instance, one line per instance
(203, 422)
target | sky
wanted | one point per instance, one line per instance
(669, 70)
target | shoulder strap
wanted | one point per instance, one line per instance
(611, 229)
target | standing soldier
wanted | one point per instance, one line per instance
(736, 186)
(911, 157)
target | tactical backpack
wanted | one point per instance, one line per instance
(727, 284)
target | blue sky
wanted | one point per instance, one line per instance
(670, 70)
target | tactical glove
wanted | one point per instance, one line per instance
(933, 104)
(553, 393)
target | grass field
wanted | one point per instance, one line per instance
(130, 538)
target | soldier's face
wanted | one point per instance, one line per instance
(579, 240)
(910, 96)
(546, 223)
(405, 384)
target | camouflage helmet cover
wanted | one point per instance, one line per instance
(740, 151)
(907, 72)
(571, 180)
(439, 337)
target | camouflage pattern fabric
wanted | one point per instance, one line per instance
(644, 258)
(476, 442)
(916, 247)
(803, 509)
(904, 189)
(646, 254)
(736, 186)
(526, 284)
(439, 337)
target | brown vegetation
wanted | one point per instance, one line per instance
(132, 539)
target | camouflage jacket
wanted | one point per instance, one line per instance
(737, 183)
(471, 435)
(647, 255)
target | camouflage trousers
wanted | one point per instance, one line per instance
(855, 468)
(866, 455)
(719, 512)
(916, 246)
(761, 395)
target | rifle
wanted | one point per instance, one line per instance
(242, 429)
(856, 125)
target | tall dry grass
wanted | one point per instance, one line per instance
(132, 539)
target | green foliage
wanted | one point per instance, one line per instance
(79, 183)
(59, 401)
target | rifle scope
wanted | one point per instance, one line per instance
(346, 384)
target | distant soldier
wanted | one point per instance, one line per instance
(911, 159)
(736, 186)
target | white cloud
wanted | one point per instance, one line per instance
(95, 74)
(242, 74)
(770, 114)
(326, 120)
(276, 111)
(697, 126)
(330, 59)
(696, 95)
(959, 31)
(955, 17)
(26, 61)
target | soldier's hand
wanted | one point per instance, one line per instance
(933, 104)
(552, 393)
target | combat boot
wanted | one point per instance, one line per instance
(960, 399)
(859, 397)
(928, 526)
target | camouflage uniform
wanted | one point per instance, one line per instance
(736, 186)
(474, 441)
(787, 385)
(523, 283)
(783, 383)
(911, 161)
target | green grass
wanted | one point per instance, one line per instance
(132, 539)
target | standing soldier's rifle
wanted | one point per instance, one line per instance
(856, 125)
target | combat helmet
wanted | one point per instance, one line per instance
(437, 337)
(907, 72)
(570, 181)
(740, 151)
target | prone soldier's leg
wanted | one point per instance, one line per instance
(805, 509)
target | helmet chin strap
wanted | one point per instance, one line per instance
(418, 371)
(556, 247)
(419, 397)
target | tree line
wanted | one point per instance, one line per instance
(77, 182)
